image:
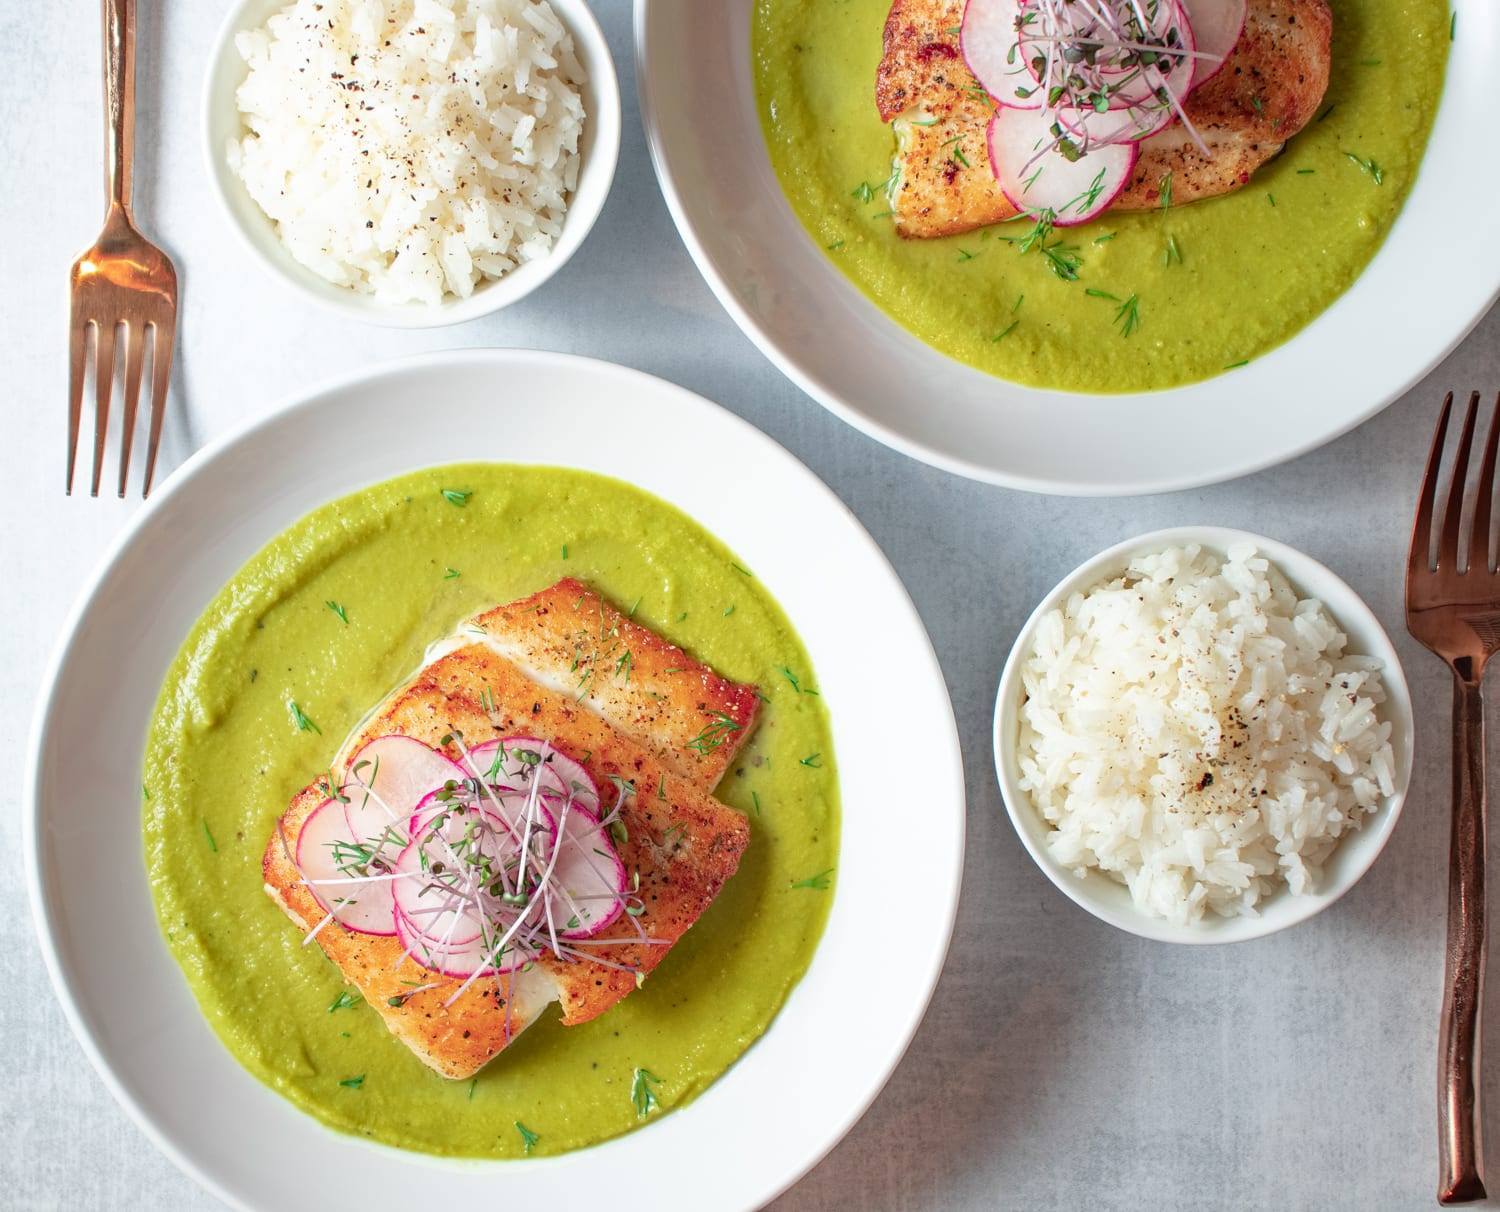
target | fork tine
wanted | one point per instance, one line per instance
(104, 385)
(1419, 557)
(78, 364)
(161, 376)
(1448, 542)
(135, 353)
(1484, 496)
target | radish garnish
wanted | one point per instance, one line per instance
(391, 775)
(1081, 83)
(478, 867)
(1037, 174)
(1217, 28)
(348, 877)
(987, 39)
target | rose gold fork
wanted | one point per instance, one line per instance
(1453, 607)
(124, 282)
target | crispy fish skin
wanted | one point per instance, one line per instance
(1268, 89)
(683, 844)
(567, 636)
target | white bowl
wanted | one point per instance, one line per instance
(1110, 901)
(795, 1092)
(698, 104)
(600, 151)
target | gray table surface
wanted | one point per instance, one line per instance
(1062, 1063)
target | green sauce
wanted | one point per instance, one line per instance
(1250, 274)
(225, 755)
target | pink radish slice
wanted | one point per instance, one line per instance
(1217, 27)
(1052, 181)
(398, 772)
(562, 774)
(512, 813)
(590, 872)
(1179, 80)
(364, 907)
(424, 907)
(987, 39)
(455, 961)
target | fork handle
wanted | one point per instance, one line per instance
(119, 100)
(1460, 1126)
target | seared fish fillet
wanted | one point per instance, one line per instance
(1268, 90)
(683, 843)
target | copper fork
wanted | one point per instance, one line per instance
(124, 285)
(1453, 607)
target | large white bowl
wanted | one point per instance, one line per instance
(796, 1091)
(599, 151)
(1411, 306)
(1110, 901)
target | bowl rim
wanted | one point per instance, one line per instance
(1282, 910)
(851, 410)
(600, 150)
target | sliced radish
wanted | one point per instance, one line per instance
(455, 960)
(420, 898)
(393, 774)
(1035, 176)
(363, 904)
(988, 40)
(509, 763)
(1143, 90)
(589, 875)
(1217, 28)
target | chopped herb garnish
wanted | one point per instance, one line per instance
(300, 718)
(528, 1138)
(812, 760)
(1005, 332)
(965, 255)
(1306, 172)
(1377, 174)
(1128, 317)
(1102, 294)
(353, 1083)
(729, 610)
(792, 678)
(452, 574)
(835, 246)
(819, 882)
(1105, 238)
(755, 799)
(1271, 198)
(1328, 111)
(1021, 298)
(742, 571)
(344, 1000)
(1452, 27)
(472, 1084)
(714, 734)
(565, 551)
(864, 192)
(212, 845)
(456, 496)
(1172, 255)
(1164, 191)
(642, 1092)
(1063, 260)
(338, 610)
(145, 792)
(1258, 105)
(1237, 365)
(622, 666)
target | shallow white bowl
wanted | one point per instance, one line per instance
(796, 1091)
(1110, 901)
(1404, 314)
(600, 151)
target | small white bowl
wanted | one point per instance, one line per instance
(1110, 901)
(600, 151)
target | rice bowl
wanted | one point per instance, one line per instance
(596, 159)
(1225, 863)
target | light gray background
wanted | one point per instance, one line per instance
(1062, 1064)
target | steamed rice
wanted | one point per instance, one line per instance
(1198, 733)
(411, 149)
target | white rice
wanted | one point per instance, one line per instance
(1196, 732)
(411, 149)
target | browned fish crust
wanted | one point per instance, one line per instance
(683, 843)
(1268, 89)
